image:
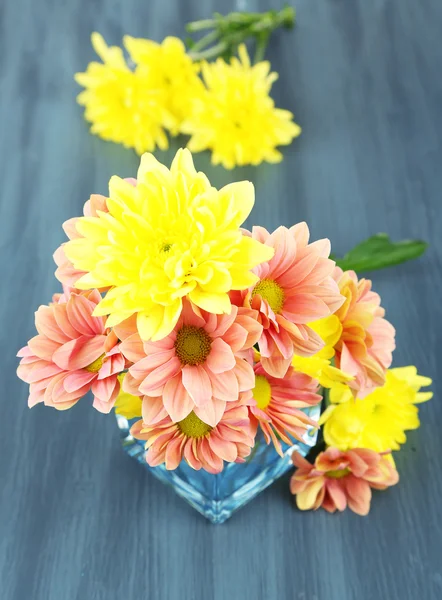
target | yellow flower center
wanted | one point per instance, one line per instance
(262, 392)
(338, 473)
(95, 366)
(272, 292)
(165, 247)
(192, 345)
(193, 427)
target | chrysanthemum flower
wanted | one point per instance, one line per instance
(380, 419)
(338, 479)
(123, 106)
(72, 354)
(199, 444)
(279, 403)
(319, 366)
(199, 366)
(171, 236)
(295, 287)
(168, 68)
(365, 347)
(235, 117)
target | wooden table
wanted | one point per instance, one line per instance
(79, 519)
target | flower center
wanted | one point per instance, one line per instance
(95, 366)
(272, 292)
(262, 392)
(193, 427)
(338, 473)
(165, 248)
(192, 345)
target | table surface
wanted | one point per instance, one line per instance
(79, 519)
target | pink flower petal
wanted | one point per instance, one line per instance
(132, 348)
(79, 312)
(158, 378)
(104, 389)
(153, 410)
(43, 347)
(79, 353)
(221, 357)
(47, 325)
(75, 381)
(177, 402)
(197, 383)
(225, 386)
(211, 412)
(223, 448)
(245, 375)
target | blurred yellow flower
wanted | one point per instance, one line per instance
(122, 105)
(378, 421)
(127, 405)
(235, 117)
(320, 365)
(169, 69)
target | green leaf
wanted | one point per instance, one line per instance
(379, 252)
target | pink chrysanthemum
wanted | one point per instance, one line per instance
(72, 354)
(365, 347)
(199, 444)
(295, 288)
(198, 367)
(338, 479)
(278, 405)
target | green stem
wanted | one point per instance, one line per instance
(261, 46)
(213, 52)
(200, 25)
(235, 28)
(205, 41)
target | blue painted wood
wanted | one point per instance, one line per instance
(79, 519)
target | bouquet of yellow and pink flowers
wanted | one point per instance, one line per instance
(208, 336)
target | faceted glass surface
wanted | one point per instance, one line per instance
(218, 496)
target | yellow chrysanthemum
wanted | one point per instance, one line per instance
(124, 106)
(235, 117)
(378, 421)
(173, 235)
(320, 366)
(169, 69)
(127, 405)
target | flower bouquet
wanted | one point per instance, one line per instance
(217, 346)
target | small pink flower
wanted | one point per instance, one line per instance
(198, 367)
(295, 288)
(365, 347)
(72, 354)
(278, 405)
(199, 444)
(338, 479)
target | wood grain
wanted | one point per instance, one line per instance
(79, 519)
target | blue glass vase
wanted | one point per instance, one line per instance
(218, 496)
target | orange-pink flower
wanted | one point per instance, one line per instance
(72, 354)
(295, 288)
(340, 479)
(365, 347)
(199, 444)
(279, 403)
(198, 367)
